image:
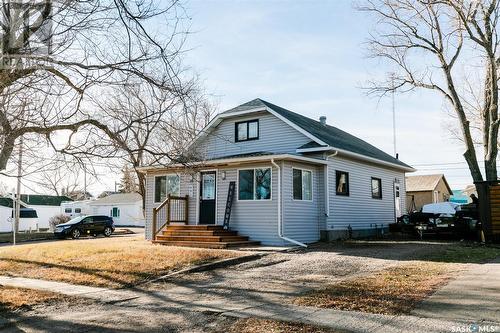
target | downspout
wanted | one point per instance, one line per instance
(327, 187)
(280, 231)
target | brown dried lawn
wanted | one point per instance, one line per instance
(254, 325)
(395, 290)
(107, 262)
(16, 298)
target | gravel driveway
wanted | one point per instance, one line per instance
(278, 276)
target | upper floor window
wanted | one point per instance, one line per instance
(376, 188)
(302, 184)
(342, 182)
(247, 130)
(165, 185)
(254, 184)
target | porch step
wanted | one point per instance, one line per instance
(203, 238)
(199, 233)
(195, 227)
(209, 245)
(207, 236)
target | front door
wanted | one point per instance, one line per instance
(207, 197)
(397, 200)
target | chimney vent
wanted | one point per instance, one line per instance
(322, 120)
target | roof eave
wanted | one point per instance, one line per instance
(357, 156)
(233, 161)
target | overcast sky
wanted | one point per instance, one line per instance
(308, 56)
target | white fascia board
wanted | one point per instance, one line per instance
(313, 150)
(240, 160)
(357, 156)
(375, 160)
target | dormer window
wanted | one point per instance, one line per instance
(247, 130)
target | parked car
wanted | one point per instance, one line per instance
(440, 219)
(86, 225)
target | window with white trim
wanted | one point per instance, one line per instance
(302, 184)
(254, 184)
(165, 185)
(115, 212)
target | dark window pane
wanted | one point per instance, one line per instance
(68, 210)
(263, 184)
(297, 184)
(342, 182)
(160, 188)
(77, 210)
(376, 188)
(245, 185)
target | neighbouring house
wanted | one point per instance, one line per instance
(124, 208)
(28, 220)
(296, 179)
(106, 193)
(76, 208)
(46, 206)
(426, 189)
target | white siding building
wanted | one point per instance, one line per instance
(124, 208)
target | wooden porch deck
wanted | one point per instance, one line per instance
(175, 210)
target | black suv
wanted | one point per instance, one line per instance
(86, 225)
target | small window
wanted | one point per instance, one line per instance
(165, 185)
(247, 130)
(376, 188)
(115, 212)
(342, 182)
(78, 210)
(254, 184)
(68, 210)
(302, 184)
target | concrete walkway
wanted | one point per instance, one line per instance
(473, 296)
(186, 299)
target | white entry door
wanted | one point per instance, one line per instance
(397, 200)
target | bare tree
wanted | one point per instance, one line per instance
(144, 126)
(62, 56)
(443, 46)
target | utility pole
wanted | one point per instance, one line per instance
(394, 116)
(18, 194)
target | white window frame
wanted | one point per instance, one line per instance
(165, 175)
(117, 211)
(254, 184)
(312, 184)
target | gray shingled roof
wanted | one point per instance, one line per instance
(333, 136)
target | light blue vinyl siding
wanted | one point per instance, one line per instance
(359, 209)
(274, 136)
(257, 219)
(302, 218)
